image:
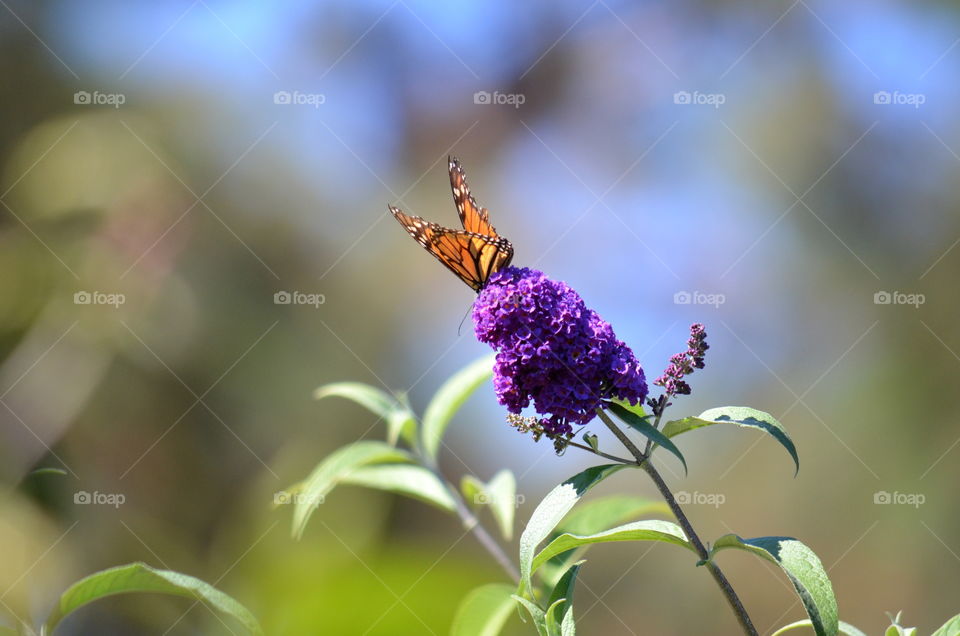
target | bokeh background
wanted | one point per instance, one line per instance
(777, 164)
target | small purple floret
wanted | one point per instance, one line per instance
(552, 350)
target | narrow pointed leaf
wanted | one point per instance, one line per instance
(449, 398)
(502, 490)
(334, 468)
(846, 629)
(645, 428)
(552, 510)
(560, 613)
(484, 611)
(950, 628)
(595, 516)
(539, 619)
(404, 479)
(373, 399)
(648, 530)
(740, 416)
(139, 577)
(804, 570)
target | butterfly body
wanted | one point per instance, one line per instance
(474, 253)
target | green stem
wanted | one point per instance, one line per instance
(642, 460)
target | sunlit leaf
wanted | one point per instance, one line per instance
(404, 479)
(375, 400)
(499, 494)
(139, 577)
(552, 510)
(846, 629)
(333, 469)
(645, 428)
(740, 416)
(484, 611)
(449, 398)
(950, 628)
(559, 614)
(537, 614)
(802, 567)
(647, 530)
(595, 516)
(48, 471)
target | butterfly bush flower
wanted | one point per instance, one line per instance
(684, 363)
(552, 351)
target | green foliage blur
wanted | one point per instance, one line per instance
(145, 352)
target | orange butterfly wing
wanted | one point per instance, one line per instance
(472, 216)
(471, 256)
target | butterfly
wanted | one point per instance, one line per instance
(474, 253)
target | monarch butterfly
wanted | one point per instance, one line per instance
(474, 253)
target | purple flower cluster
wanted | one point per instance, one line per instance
(552, 350)
(683, 364)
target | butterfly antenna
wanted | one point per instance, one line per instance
(464, 319)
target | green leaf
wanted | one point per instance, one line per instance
(845, 628)
(636, 409)
(552, 510)
(48, 471)
(404, 479)
(400, 420)
(379, 402)
(802, 567)
(595, 516)
(502, 489)
(449, 398)
(484, 611)
(559, 615)
(333, 469)
(500, 494)
(950, 628)
(139, 577)
(591, 440)
(645, 428)
(647, 530)
(539, 618)
(741, 416)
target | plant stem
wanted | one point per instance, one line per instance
(642, 460)
(471, 523)
(589, 449)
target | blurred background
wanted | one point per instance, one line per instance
(783, 172)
